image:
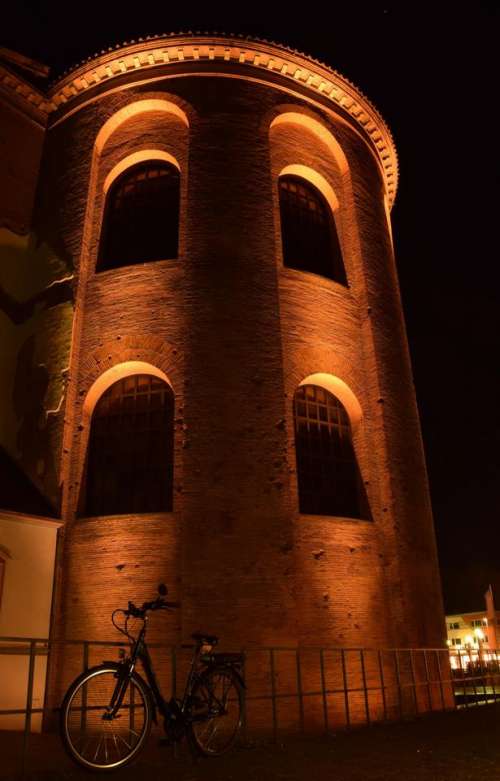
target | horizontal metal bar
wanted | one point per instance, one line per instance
(25, 640)
(14, 650)
(286, 648)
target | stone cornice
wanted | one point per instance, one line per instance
(259, 57)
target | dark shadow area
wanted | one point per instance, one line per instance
(459, 746)
(18, 493)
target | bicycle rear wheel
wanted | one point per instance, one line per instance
(91, 737)
(216, 711)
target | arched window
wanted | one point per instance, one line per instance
(308, 233)
(130, 455)
(141, 216)
(328, 475)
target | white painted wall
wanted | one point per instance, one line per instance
(28, 546)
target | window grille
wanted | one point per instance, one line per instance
(308, 232)
(141, 216)
(130, 455)
(329, 481)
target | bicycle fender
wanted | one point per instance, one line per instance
(151, 698)
(239, 677)
(135, 674)
(233, 669)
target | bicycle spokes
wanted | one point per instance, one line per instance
(97, 732)
(216, 711)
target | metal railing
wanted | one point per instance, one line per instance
(289, 690)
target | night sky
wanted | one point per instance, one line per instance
(433, 75)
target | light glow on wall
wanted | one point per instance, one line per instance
(139, 107)
(114, 374)
(324, 135)
(341, 390)
(133, 159)
(316, 179)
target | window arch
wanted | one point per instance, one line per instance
(308, 233)
(329, 480)
(141, 216)
(130, 453)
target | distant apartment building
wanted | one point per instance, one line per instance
(475, 630)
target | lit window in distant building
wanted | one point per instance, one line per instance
(329, 480)
(454, 625)
(308, 233)
(141, 216)
(130, 454)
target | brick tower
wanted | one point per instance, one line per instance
(239, 418)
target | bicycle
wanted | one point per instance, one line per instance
(107, 712)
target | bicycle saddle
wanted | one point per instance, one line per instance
(202, 638)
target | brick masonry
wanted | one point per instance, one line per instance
(235, 333)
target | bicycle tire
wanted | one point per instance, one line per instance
(215, 711)
(93, 742)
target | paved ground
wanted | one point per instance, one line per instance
(455, 746)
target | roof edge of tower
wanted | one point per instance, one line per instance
(254, 53)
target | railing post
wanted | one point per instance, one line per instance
(429, 691)
(346, 691)
(299, 690)
(273, 696)
(174, 672)
(29, 703)
(244, 717)
(494, 673)
(174, 689)
(382, 683)
(473, 676)
(398, 679)
(414, 682)
(323, 688)
(365, 690)
(464, 681)
(132, 705)
(84, 689)
(482, 665)
(440, 676)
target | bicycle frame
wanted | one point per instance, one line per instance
(168, 709)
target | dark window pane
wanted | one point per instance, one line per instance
(308, 232)
(328, 476)
(141, 217)
(130, 456)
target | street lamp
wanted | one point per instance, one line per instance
(469, 642)
(480, 639)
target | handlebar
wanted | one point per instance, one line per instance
(156, 604)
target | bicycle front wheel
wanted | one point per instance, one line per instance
(216, 711)
(92, 735)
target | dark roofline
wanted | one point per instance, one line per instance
(24, 63)
(18, 493)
